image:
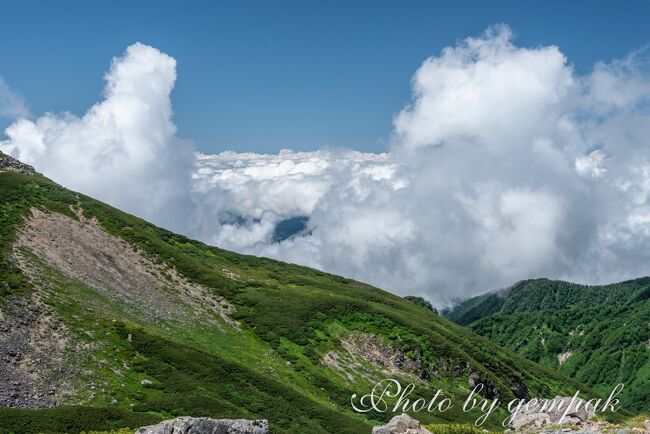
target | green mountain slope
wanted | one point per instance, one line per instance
(118, 323)
(599, 335)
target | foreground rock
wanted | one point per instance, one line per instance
(551, 412)
(204, 425)
(402, 424)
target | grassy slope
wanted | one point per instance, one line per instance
(606, 328)
(290, 317)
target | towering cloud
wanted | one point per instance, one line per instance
(505, 165)
(123, 149)
(484, 89)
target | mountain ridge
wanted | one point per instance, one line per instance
(137, 324)
(597, 334)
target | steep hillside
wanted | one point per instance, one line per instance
(115, 322)
(599, 335)
(477, 307)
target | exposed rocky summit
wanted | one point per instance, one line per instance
(402, 424)
(204, 425)
(10, 163)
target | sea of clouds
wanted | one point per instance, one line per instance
(505, 165)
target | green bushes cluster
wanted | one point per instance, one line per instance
(604, 328)
(454, 429)
(71, 420)
(197, 383)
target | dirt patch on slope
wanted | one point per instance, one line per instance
(366, 355)
(82, 250)
(561, 358)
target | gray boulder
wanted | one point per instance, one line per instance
(204, 425)
(402, 424)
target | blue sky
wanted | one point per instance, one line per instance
(262, 76)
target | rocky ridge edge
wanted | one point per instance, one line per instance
(10, 163)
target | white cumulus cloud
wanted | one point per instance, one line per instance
(484, 88)
(123, 150)
(12, 104)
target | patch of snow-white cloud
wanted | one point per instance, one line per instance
(12, 104)
(591, 164)
(265, 189)
(484, 88)
(124, 149)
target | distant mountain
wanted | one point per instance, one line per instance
(113, 322)
(599, 335)
(421, 302)
(477, 307)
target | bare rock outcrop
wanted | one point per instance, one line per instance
(391, 360)
(402, 424)
(488, 388)
(204, 425)
(11, 164)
